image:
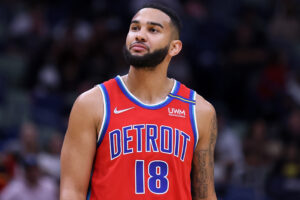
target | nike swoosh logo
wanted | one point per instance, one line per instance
(116, 111)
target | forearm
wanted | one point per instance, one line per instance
(202, 177)
(201, 195)
(212, 197)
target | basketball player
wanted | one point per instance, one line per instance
(141, 136)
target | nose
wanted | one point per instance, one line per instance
(140, 36)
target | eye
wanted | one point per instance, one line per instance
(153, 30)
(134, 28)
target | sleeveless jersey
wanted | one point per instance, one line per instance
(144, 151)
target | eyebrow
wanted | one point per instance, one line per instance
(151, 23)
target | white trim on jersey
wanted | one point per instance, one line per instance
(104, 113)
(138, 100)
(195, 120)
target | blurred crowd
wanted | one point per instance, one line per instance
(241, 55)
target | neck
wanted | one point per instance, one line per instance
(149, 86)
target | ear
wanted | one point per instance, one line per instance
(175, 47)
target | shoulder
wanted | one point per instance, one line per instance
(90, 96)
(89, 104)
(205, 115)
(203, 107)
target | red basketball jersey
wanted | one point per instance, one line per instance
(144, 151)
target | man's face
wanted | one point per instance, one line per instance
(148, 39)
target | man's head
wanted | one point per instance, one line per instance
(175, 20)
(153, 37)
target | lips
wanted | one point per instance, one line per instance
(138, 47)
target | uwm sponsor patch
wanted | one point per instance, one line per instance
(176, 112)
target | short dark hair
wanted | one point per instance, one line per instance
(175, 20)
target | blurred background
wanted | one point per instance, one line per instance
(241, 55)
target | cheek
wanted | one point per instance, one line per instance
(161, 41)
(129, 38)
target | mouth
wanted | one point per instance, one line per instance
(138, 47)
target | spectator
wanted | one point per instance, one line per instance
(29, 139)
(291, 131)
(31, 185)
(49, 161)
(284, 180)
(229, 157)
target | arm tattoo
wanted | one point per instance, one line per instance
(212, 143)
(200, 176)
(203, 169)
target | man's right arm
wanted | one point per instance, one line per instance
(202, 175)
(79, 145)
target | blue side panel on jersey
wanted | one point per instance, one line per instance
(139, 103)
(107, 116)
(88, 196)
(192, 107)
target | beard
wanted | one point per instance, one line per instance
(147, 61)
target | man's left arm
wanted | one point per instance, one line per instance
(202, 176)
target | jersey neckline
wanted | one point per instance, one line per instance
(138, 102)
